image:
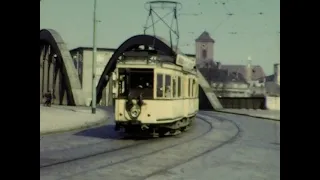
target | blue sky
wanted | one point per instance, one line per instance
(257, 35)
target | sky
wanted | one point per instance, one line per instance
(253, 29)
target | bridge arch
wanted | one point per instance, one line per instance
(164, 48)
(129, 44)
(57, 71)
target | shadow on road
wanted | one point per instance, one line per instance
(103, 132)
(108, 132)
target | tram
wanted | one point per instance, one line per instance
(154, 93)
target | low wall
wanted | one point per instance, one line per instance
(272, 103)
(243, 102)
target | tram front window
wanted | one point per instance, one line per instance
(138, 82)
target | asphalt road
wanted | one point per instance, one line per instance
(219, 146)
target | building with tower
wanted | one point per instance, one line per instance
(233, 80)
(224, 82)
(204, 50)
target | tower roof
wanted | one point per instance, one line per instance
(204, 37)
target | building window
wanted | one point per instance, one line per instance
(204, 54)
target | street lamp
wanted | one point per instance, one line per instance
(94, 57)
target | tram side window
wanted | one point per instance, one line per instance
(174, 87)
(197, 89)
(194, 88)
(159, 85)
(179, 86)
(122, 83)
(167, 86)
(190, 87)
(188, 84)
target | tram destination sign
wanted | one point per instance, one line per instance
(185, 62)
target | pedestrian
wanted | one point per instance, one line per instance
(48, 97)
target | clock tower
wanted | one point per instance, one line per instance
(204, 49)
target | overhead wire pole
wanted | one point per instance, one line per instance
(94, 57)
(150, 6)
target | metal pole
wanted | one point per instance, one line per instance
(78, 63)
(94, 56)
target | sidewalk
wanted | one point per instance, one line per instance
(265, 114)
(67, 118)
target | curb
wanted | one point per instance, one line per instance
(79, 127)
(70, 109)
(243, 114)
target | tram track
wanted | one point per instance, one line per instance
(216, 160)
(91, 155)
(219, 118)
(120, 157)
(174, 159)
(185, 157)
(232, 139)
(136, 145)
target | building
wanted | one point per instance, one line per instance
(82, 57)
(272, 82)
(236, 80)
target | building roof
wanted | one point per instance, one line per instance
(267, 78)
(257, 71)
(205, 37)
(212, 74)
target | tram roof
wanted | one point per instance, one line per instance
(180, 60)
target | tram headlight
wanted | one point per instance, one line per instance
(135, 111)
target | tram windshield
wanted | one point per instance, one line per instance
(136, 82)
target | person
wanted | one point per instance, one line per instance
(168, 92)
(48, 97)
(148, 85)
(144, 84)
(141, 83)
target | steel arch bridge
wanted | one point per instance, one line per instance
(58, 73)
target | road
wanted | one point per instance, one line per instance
(219, 146)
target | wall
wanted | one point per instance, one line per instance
(243, 102)
(277, 73)
(231, 89)
(199, 51)
(102, 60)
(273, 103)
(206, 94)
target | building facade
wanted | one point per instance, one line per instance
(82, 58)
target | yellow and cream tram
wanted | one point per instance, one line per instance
(155, 93)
